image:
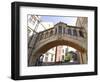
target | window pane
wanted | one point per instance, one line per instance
(69, 32)
(64, 30)
(74, 32)
(81, 33)
(60, 29)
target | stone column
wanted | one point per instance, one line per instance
(79, 57)
(84, 57)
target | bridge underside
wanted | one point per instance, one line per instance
(52, 44)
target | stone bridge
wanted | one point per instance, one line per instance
(60, 34)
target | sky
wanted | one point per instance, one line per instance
(56, 19)
(48, 21)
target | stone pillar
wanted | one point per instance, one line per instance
(84, 57)
(79, 57)
(31, 61)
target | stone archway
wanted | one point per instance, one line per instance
(49, 45)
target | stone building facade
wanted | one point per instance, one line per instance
(82, 22)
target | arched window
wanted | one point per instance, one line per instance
(63, 30)
(74, 32)
(69, 32)
(60, 29)
(81, 33)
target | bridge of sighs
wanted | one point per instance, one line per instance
(60, 34)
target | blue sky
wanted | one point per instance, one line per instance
(56, 19)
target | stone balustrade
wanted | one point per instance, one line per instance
(73, 32)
